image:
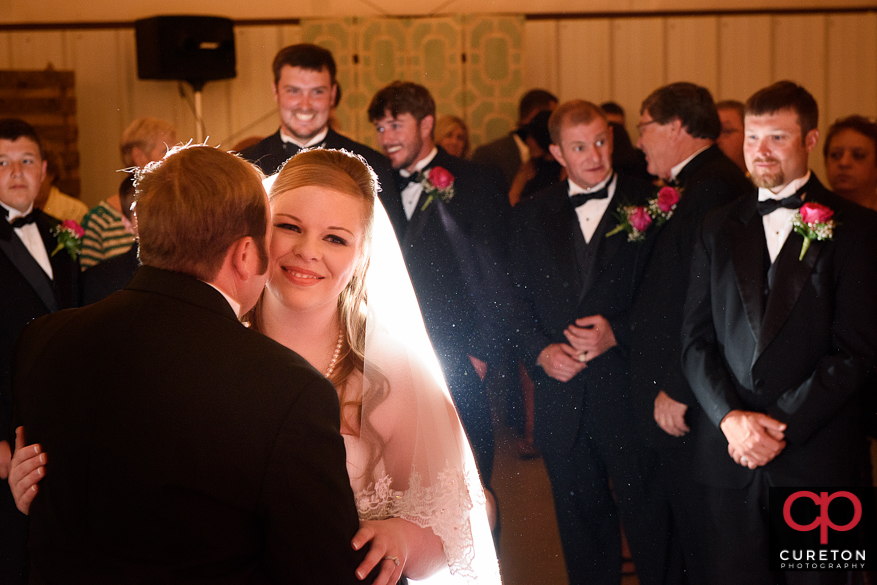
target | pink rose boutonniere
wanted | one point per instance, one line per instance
(813, 222)
(69, 235)
(636, 219)
(439, 182)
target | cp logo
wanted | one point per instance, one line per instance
(822, 521)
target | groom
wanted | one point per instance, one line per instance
(201, 451)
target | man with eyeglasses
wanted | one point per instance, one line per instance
(678, 129)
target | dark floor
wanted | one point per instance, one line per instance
(530, 551)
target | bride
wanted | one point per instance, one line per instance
(338, 295)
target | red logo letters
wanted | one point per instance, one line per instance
(822, 521)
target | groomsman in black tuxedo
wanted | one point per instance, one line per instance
(577, 283)
(33, 282)
(779, 338)
(202, 452)
(678, 129)
(305, 90)
(449, 217)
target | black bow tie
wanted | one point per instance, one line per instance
(794, 201)
(580, 199)
(403, 182)
(24, 220)
(671, 183)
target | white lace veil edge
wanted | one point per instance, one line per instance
(430, 473)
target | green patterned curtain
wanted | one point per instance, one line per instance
(471, 65)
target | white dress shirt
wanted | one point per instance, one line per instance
(778, 225)
(235, 306)
(312, 142)
(592, 211)
(411, 194)
(32, 240)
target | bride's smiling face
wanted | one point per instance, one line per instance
(316, 245)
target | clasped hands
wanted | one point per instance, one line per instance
(589, 337)
(754, 438)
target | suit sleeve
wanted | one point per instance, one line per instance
(842, 374)
(706, 195)
(702, 359)
(309, 511)
(529, 337)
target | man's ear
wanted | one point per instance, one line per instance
(426, 126)
(244, 258)
(811, 139)
(557, 153)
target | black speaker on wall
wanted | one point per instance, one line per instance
(196, 49)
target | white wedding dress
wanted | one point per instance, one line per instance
(425, 471)
(412, 459)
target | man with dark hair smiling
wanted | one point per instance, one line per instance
(448, 210)
(306, 90)
(779, 338)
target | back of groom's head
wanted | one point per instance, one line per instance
(196, 203)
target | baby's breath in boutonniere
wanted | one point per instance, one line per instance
(438, 182)
(69, 235)
(813, 222)
(636, 219)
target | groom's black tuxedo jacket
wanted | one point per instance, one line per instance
(800, 351)
(451, 249)
(193, 450)
(26, 292)
(558, 287)
(708, 181)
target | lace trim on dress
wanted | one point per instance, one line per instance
(444, 508)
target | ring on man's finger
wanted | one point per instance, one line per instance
(394, 559)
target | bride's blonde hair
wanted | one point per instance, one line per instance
(346, 173)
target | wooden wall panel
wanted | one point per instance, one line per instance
(851, 63)
(799, 52)
(97, 61)
(834, 56)
(745, 58)
(5, 50)
(38, 49)
(251, 107)
(639, 63)
(585, 59)
(541, 55)
(692, 51)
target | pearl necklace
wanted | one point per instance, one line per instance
(335, 355)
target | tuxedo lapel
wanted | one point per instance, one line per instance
(562, 241)
(20, 257)
(746, 240)
(790, 277)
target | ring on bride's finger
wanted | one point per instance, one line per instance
(394, 559)
(744, 460)
(583, 357)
